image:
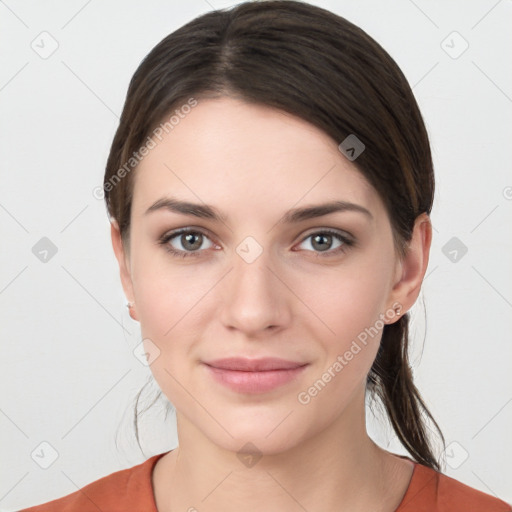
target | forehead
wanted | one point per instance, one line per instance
(231, 153)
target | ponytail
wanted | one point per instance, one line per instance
(390, 379)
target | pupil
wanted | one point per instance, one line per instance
(324, 237)
(190, 236)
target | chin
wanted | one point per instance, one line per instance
(268, 436)
(257, 445)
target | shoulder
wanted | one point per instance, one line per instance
(124, 490)
(432, 491)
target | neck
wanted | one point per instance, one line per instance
(339, 468)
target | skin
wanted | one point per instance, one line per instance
(254, 163)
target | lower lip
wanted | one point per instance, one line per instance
(254, 382)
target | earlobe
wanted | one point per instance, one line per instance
(413, 266)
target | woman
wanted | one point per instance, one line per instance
(269, 189)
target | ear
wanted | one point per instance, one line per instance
(411, 269)
(123, 259)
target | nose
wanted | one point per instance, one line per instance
(254, 297)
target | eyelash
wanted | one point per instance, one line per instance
(167, 237)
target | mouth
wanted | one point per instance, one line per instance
(254, 365)
(254, 375)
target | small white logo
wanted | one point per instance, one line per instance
(146, 352)
(454, 45)
(44, 455)
(456, 455)
(249, 249)
(45, 45)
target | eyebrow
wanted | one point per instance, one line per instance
(292, 216)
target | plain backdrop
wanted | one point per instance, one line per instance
(68, 371)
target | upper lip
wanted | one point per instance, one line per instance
(254, 365)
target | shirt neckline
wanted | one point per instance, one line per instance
(412, 482)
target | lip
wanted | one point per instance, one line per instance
(254, 365)
(254, 375)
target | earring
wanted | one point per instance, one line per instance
(131, 312)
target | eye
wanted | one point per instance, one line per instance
(190, 240)
(322, 241)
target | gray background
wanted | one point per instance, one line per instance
(68, 371)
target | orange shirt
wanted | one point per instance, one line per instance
(131, 490)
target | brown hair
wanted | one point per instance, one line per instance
(316, 65)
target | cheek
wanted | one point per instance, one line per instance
(348, 302)
(349, 298)
(351, 347)
(347, 337)
(168, 293)
(175, 303)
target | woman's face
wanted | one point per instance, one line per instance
(254, 285)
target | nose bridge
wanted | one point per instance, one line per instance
(253, 295)
(251, 266)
